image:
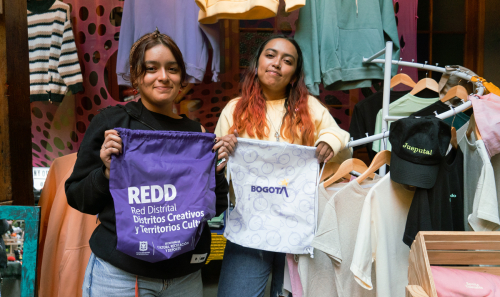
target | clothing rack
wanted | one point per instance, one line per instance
(388, 62)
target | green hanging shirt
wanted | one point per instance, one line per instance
(335, 35)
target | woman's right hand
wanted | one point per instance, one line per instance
(112, 145)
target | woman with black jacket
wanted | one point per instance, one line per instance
(156, 71)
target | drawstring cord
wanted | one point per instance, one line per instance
(136, 286)
(310, 249)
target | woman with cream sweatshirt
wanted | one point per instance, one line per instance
(275, 106)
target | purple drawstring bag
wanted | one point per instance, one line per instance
(163, 191)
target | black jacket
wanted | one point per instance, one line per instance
(87, 190)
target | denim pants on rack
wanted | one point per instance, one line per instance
(104, 279)
(245, 272)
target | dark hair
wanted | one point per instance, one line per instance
(250, 111)
(138, 51)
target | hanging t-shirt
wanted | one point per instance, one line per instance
(486, 110)
(382, 223)
(337, 238)
(364, 117)
(404, 106)
(495, 162)
(480, 191)
(293, 274)
(316, 274)
(440, 208)
(179, 20)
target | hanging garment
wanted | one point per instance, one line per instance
(404, 106)
(481, 207)
(364, 117)
(406, 21)
(335, 36)
(440, 208)
(293, 274)
(336, 238)
(276, 188)
(213, 10)
(316, 274)
(163, 192)
(63, 249)
(486, 110)
(179, 20)
(378, 240)
(54, 66)
(438, 107)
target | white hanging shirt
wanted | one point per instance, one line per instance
(380, 239)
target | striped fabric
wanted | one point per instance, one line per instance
(54, 65)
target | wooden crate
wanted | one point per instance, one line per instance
(450, 249)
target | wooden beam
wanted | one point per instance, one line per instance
(16, 182)
(480, 37)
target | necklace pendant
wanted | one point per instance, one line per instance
(277, 136)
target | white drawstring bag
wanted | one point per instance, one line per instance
(276, 189)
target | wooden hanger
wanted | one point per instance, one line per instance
(453, 141)
(473, 127)
(425, 83)
(402, 78)
(381, 158)
(344, 169)
(330, 169)
(456, 91)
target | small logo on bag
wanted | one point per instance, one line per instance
(272, 190)
(473, 286)
(453, 196)
(143, 246)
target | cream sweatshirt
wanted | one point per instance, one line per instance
(213, 10)
(326, 130)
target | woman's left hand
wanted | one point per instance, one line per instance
(324, 152)
(225, 146)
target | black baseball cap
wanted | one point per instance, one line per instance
(419, 144)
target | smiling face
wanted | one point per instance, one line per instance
(276, 67)
(161, 82)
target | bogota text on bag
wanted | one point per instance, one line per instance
(275, 185)
(163, 191)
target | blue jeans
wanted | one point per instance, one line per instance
(104, 279)
(245, 272)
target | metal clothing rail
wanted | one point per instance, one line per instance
(386, 93)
